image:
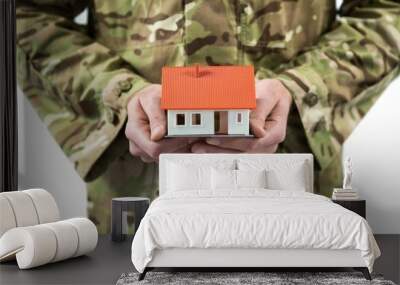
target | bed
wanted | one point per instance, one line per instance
(246, 211)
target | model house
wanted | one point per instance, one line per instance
(208, 100)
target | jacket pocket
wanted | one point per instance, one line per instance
(262, 24)
(283, 26)
(142, 23)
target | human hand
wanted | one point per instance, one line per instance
(268, 123)
(147, 126)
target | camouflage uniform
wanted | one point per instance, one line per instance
(80, 78)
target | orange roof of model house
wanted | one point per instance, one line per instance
(208, 87)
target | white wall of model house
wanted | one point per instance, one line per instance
(201, 122)
(176, 128)
(238, 122)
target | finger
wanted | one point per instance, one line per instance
(156, 116)
(141, 137)
(136, 151)
(265, 149)
(138, 131)
(147, 159)
(275, 134)
(241, 144)
(253, 147)
(264, 105)
(202, 147)
(276, 124)
(184, 149)
(282, 107)
(154, 149)
(137, 122)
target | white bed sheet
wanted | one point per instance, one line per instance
(251, 218)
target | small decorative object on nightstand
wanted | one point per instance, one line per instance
(346, 192)
(127, 212)
(348, 173)
(357, 206)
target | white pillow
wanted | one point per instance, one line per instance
(251, 178)
(282, 174)
(292, 179)
(223, 179)
(236, 179)
(183, 177)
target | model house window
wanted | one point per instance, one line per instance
(180, 119)
(196, 119)
(239, 118)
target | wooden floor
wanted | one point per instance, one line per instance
(110, 260)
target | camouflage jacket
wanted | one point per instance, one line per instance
(80, 77)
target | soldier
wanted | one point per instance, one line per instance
(319, 72)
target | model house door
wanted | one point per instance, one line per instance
(221, 122)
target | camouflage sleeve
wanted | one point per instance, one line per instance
(336, 81)
(79, 87)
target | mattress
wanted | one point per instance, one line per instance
(250, 219)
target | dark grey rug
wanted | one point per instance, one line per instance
(243, 278)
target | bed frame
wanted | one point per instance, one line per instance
(246, 259)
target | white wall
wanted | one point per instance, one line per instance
(375, 150)
(41, 163)
(238, 128)
(206, 127)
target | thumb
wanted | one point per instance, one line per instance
(157, 122)
(264, 106)
(155, 115)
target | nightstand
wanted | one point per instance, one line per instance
(357, 206)
(123, 210)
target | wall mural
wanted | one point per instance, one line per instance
(97, 85)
